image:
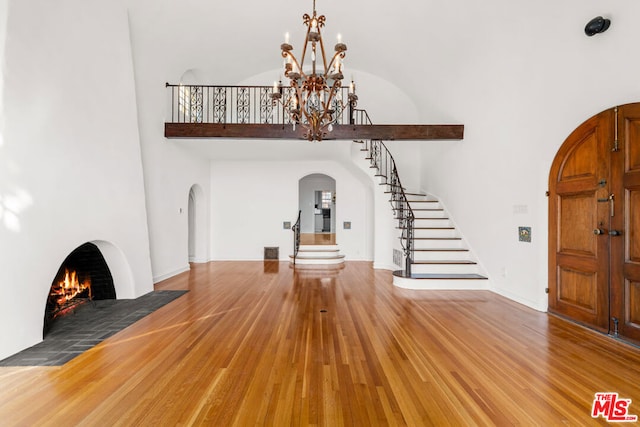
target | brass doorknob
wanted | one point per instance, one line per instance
(598, 231)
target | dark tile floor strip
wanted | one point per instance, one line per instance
(88, 326)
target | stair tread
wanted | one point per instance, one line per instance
(427, 228)
(439, 276)
(312, 255)
(420, 210)
(437, 218)
(408, 194)
(431, 238)
(442, 250)
(448, 262)
(318, 268)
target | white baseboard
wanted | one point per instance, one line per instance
(531, 304)
(381, 266)
(165, 276)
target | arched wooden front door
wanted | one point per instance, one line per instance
(594, 224)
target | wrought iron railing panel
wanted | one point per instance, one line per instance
(242, 104)
(296, 237)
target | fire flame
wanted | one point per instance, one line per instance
(70, 287)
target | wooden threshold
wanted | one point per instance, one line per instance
(346, 132)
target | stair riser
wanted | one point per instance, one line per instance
(437, 284)
(438, 243)
(316, 261)
(424, 205)
(432, 222)
(322, 255)
(317, 254)
(318, 247)
(447, 232)
(442, 255)
(445, 269)
(429, 214)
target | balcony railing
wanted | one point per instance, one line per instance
(242, 105)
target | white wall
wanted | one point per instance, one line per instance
(170, 171)
(252, 199)
(70, 166)
(520, 84)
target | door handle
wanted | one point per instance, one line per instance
(615, 233)
(598, 231)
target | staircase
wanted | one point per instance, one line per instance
(436, 256)
(317, 255)
(314, 256)
(441, 260)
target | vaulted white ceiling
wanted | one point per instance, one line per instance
(432, 50)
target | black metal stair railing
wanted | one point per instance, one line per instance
(381, 159)
(296, 237)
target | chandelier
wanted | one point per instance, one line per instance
(316, 102)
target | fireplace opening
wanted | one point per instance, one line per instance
(83, 277)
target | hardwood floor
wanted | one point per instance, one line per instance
(318, 238)
(256, 343)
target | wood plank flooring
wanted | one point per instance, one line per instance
(254, 343)
(317, 238)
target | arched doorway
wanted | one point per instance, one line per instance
(317, 204)
(594, 226)
(196, 225)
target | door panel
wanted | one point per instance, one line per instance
(577, 216)
(594, 187)
(633, 227)
(578, 243)
(625, 248)
(577, 288)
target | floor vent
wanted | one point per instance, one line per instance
(271, 252)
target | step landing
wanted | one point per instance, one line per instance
(318, 255)
(440, 281)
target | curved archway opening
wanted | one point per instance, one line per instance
(317, 203)
(196, 227)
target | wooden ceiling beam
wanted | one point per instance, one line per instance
(346, 132)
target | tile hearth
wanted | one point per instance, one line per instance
(89, 325)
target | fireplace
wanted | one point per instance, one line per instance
(83, 277)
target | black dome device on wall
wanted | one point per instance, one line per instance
(597, 25)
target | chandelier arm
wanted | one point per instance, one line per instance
(306, 43)
(324, 56)
(332, 93)
(341, 54)
(295, 62)
(327, 102)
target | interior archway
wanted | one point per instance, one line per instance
(196, 228)
(317, 204)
